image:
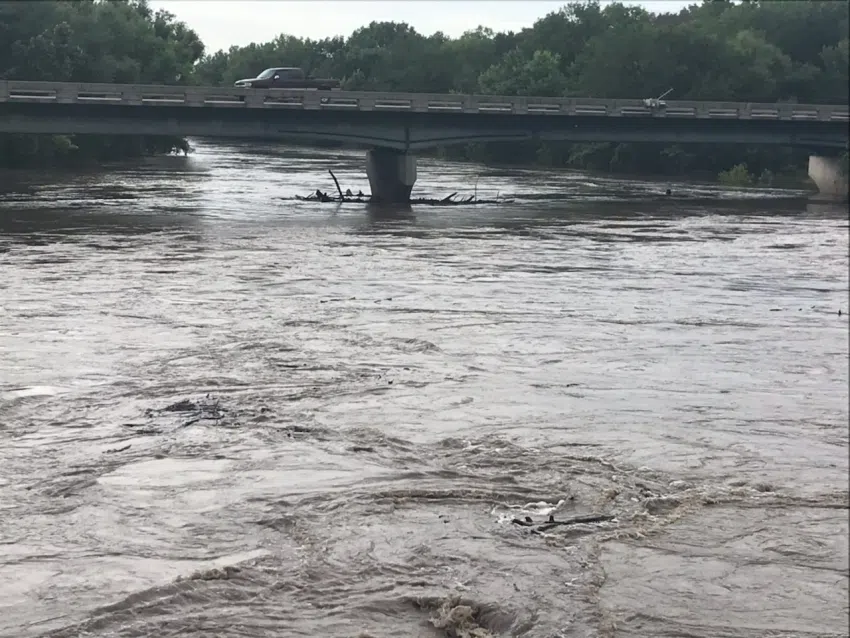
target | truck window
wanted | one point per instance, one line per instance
(265, 75)
(290, 74)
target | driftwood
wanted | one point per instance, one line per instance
(552, 523)
(338, 189)
(361, 198)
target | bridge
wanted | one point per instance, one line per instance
(395, 125)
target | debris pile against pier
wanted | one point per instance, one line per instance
(347, 197)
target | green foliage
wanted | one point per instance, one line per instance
(518, 75)
(792, 51)
(91, 41)
(738, 175)
(766, 178)
(752, 51)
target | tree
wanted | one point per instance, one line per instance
(715, 50)
(88, 41)
(836, 61)
(517, 75)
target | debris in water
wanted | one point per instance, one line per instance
(206, 409)
(348, 197)
(118, 449)
(462, 619)
(552, 523)
(360, 198)
(601, 518)
(181, 406)
(216, 573)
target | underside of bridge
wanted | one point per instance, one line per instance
(393, 136)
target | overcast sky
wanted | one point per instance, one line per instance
(222, 23)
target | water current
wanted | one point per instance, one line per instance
(227, 413)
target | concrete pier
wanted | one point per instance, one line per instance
(827, 175)
(392, 175)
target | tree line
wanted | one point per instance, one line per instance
(766, 51)
(118, 41)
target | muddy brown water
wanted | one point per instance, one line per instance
(226, 413)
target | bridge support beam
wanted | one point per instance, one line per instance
(391, 175)
(828, 176)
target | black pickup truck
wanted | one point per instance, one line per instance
(287, 78)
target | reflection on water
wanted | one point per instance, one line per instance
(224, 412)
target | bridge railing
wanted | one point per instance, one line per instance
(234, 97)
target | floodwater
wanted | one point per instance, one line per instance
(227, 413)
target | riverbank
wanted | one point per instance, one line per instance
(486, 180)
(743, 166)
(737, 175)
(70, 151)
(791, 180)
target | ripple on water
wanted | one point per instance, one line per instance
(227, 413)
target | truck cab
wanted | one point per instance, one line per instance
(282, 74)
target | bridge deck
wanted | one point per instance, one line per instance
(244, 98)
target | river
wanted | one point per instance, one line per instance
(227, 413)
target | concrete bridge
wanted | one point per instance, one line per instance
(394, 125)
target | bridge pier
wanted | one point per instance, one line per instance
(827, 175)
(391, 175)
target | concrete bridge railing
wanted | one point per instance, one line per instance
(243, 98)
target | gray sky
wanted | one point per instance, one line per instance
(222, 23)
